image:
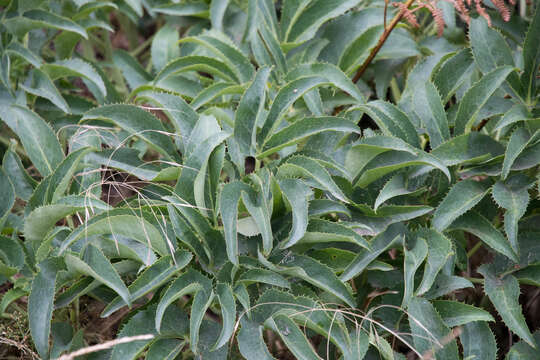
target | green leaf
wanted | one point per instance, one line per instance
(517, 113)
(285, 97)
(41, 85)
(307, 19)
(136, 6)
(477, 96)
(390, 161)
(529, 275)
(119, 222)
(50, 189)
(93, 263)
(478, 341)
(522, 350)
(397, 186)
(480, 227)
(228, 313)
(131, 69)
(201, 303)
(412, 260)
(165, 46)
(191, 184)
(445, 284)
(214, 91)
(314, 273)
(373, 224)
(217, 13)
(321, 207)
(531, 49)
(297, 194)
(367, 148)
(453, 73)
(391, 120)
(490, 50)
(40, 304)
(439, 250)
(182, 116)
(185, 234)
(258, 203)
(197, 9)
(9, 297)
(293, 337)
(251, 341)
(42, 219)
(78, 68)
(38, 18)
(23, 184)
(462, 197)
(165, 349)
(139, 324)
(137, 122)
(249, 110)
(228, 201)
(263, 276)
(7, 196)
(190, 282)
(455, 313)
(60, 179)
(378, 244)
(225, 49)
(516, 144)
(18, 49)
(321, 231)
(429, 108)
(197, 63)
(429, 332)
(468, 148)
(37, 137)
(304, 128)
(504, 294)
(332, 74)
(358, 50)
(151, 279)
(310, 169)
(127, 159)
(513, 196)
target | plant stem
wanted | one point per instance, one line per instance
(142, 46)
(473, 250)
(6, 141)
(387, 30)
(475, 280)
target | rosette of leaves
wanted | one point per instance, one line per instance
(237, 195)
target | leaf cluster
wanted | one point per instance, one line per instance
(225, 187)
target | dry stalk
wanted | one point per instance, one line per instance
(104, 346)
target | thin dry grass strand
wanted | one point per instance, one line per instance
(21, 347)
(340, 311)
(104, 346)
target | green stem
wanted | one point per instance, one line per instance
(475, 248)
(142, 46)
(6, 141)
(475, 280)
(394, 88)
(116, 74)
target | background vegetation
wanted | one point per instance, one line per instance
(227, 179)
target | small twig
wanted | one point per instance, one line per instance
(382, 40)
(104, 346)
(23, 348)
(385, 11)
